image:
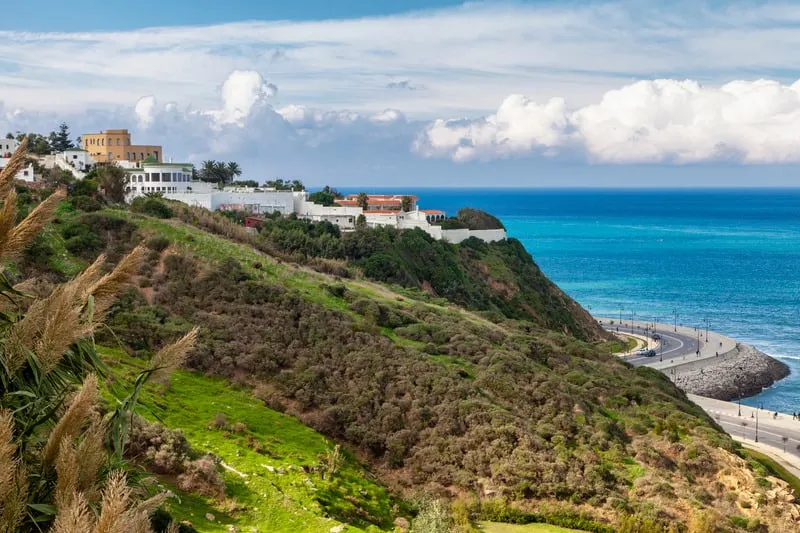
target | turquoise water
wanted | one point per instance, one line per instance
(732, 256)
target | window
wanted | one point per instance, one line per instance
(155, 154)
(166, 176)
(155, 176)
(74, 156)
(147, 177)
(140, 178)
(141, 155)
(110, 155)
(118, 142)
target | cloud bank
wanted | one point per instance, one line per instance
(644, 122)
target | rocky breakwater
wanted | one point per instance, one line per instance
(742, 372)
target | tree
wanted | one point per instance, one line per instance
(405, 204)
(112, 180)
(59, 140)
(361, 221)
(363, 200)
(9, 135)
(327, 196)
(280, 184)
(233, 170)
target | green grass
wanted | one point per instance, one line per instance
(618, 346)
(774, 468)
(286, 500)
(494, 527)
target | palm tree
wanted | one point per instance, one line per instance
(220, 173)
(363, 200)
(208, 171)
(405, 204)
(233, 170)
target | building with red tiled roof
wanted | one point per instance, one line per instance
(381, 202)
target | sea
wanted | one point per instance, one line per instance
(729, 259)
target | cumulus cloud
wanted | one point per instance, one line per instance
(520, 125)
(144, 110)
(644, 122)
(242, 92)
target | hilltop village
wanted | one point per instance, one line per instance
(147, 173)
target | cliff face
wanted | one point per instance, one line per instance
(743, 372)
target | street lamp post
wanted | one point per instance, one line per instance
(756, 425)
(675, 312)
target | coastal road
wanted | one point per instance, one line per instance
(679, 343)
(771, 430)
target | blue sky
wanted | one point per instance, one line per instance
(544, 93)
(89, 15)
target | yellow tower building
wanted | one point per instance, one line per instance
(115, 145)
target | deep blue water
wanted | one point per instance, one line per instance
(732, 256)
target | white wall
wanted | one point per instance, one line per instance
(456, 236)
(8, 146)
(25, 174)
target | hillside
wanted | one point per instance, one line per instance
(517, 419)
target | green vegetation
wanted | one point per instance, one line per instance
(276, 468)
(493, 527)
(327, 196)
(766, 465)
(301, 362)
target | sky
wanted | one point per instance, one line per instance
(424, 93)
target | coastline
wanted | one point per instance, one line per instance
(743, 372)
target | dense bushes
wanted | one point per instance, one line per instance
(91, 233)
(152, 206)
(487, 405)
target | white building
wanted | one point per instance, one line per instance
(78, 159)
(7, 149)
(174, 182)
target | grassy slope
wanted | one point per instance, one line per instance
(493, 527)
(294, 501)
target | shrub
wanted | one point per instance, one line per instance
(433, 517)
(162, 450)
(202, 477)
(158, 243)
(151, 206)
(220, 421)
(86, 203)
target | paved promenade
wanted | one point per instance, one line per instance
(678, 345)
(772, 430)
(778, 436)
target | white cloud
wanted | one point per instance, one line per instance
(144, 110)
(520, 125)
(466, 58)
(647, 121)
(243, 91)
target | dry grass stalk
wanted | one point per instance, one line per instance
(93, 456)
(74, 519)
(13, 242)
(54, 323)
(116, 498)
(172, 356)
(105, 289)
(8, 463)
(14, 165)
(68, 471)
(72, 422)
(14, 506)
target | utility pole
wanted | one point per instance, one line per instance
(757, 426)
(707, 324)
(675, 312)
